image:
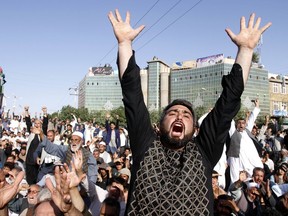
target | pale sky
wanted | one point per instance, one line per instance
(47, 47)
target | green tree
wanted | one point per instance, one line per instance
(255, 57)
(199, 111)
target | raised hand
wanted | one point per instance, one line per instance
(60, 194)
(250, 35)
(122, 29)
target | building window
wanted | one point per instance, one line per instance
(88, 83)
(275, 105)
(284, 106)
(284, 90)
(275, 88)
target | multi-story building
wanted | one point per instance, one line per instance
(278, 94)
(199, 81)
(100, 89)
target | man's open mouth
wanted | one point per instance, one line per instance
(177, 129)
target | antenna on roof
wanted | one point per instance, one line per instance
(259, 45)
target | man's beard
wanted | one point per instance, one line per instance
(173, 143)
(76, 148)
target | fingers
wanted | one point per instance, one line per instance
(230, 34)
(139, 29)
(111, 18)
(73, 166)
(49, 185)
(251, 21)
(118, 16)
(127, 20)
(264, 28)
(257, 24)
(66, 168)
(57, 177)
(242, 23)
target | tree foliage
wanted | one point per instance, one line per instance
(255, 57)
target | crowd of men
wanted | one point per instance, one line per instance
(80, 168)
(106, 161)
(34, 152)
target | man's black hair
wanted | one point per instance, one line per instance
(179, 102)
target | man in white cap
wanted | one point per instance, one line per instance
(103, 153)
(66, 152)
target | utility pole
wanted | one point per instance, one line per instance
(76, 94)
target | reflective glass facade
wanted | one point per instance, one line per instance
(202, 86)
(100, 92)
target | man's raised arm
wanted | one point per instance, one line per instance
(124, 34)
(246, 41)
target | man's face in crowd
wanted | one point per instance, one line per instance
(112, 126)
(119, 165)
(254, 131)
(50, 136)
(241, 124)
(32, 194)
(258, 176)
(12, 175)
(23, 152)
(69, 128)
(10, 159)
(6, 170)
(177, 127)
(76, 143)
(252, 193)
(102, 148)
(37, 124)
(96, 154)
(214, 181)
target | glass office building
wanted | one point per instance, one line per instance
(98, 91)
(202, 86)
(199, 83)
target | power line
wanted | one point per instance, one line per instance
(172, 7)
(158, 20)
(134, 26)
(166, 26)
(170, 24)
(146, 13)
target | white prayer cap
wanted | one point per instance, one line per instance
(252, 184)
(102, 143)
(77, 133)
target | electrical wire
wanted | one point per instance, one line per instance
(187, 11)
(133, 26)
(173, 6)
(170, 24)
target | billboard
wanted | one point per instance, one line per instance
(106, 70)
(209, 60)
